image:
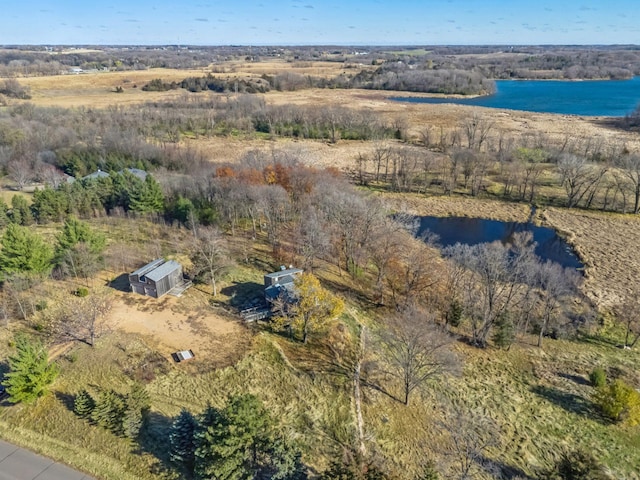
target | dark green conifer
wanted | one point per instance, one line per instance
(83, 404)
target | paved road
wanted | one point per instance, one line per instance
(19, 464)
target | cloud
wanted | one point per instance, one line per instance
(131, 20)
(308, 6)
(202, 19)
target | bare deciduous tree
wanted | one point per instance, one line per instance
(209, 255)
(493, 278)
(630, 166)
(20, 171)
(629, 314)
(467, 437)
(417, 351)
(81, 319)
(579, 178)
(556, 284)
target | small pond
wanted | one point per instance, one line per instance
(471, 231)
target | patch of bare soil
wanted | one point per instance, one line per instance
(608, 244)
(172, 324)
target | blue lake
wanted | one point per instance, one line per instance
(471, 231)
(610, 98)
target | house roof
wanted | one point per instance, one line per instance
(286, 290)
(98, 174)
(280, 274)
(141, 174)
(163, 270)
(148, 267)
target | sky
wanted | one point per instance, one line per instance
(319, 22)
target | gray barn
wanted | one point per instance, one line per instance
(156, 278)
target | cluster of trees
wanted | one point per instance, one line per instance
(240, 440)
(11, 88)
(425, 78)
(123, 192)
(124, 415)
(505, 289)
(26, 258)
(591, 173)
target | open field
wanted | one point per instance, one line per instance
(98, 90)
(540, 397)
(609, 246)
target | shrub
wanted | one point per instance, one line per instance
(619, 402)
(82, 292)
(598, 377)
(578, 465)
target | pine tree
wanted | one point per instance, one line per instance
(148, 198)
(4, 218)
(132, 423)
(74, 232)
(137, 404)
(209, 422)
(241, 442)
(138, 399)
(183, 441)
(504, 331)
(23, 251)
(20, 212)
(109, 411)
(83, 404)
(30, 373)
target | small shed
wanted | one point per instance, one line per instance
(156, 278)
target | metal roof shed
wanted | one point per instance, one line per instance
(156, 278)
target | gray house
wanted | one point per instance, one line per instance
(280, 283)
(156, 278)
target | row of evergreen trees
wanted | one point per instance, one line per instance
(77, 250)
(124, 415)
(85, 198)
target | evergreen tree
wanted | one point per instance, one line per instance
(4, 217)
(504, 331)
(109, 411)
(242, 443)
(30, 373)
(132, 423)
(49, 205)
(137, 405)
(138, 398)
(182, 440)
(20, 213)
(285, 461)
(23, 251)
(83, 404)
(79, 248)
(148, 198)
(74, 232)
(208, 422)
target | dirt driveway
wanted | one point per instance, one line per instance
(171, 324)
